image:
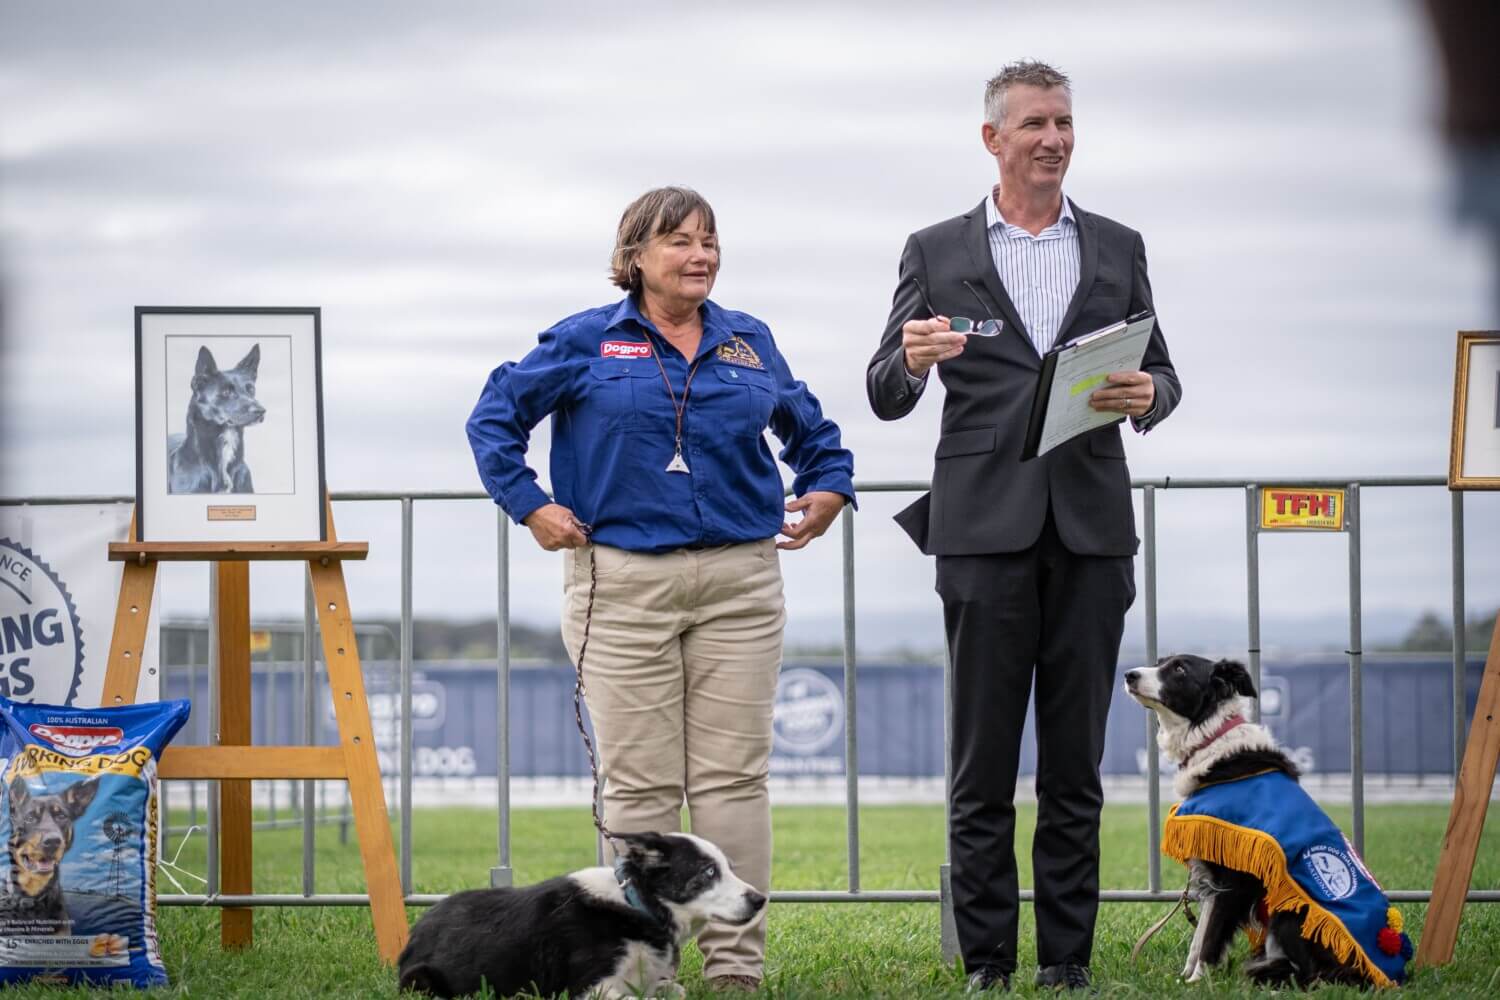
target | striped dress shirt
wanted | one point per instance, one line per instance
(1040, 272)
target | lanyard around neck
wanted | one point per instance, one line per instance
(679, 408)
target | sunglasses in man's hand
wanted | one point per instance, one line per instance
(988, 327)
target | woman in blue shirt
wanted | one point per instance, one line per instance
(666, 490)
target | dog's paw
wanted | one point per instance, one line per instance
(670, 991)
(1199, 973)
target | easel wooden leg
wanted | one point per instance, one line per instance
(387, 906)
(128, 642)
(353, 761)
(236, 926)
(1471, 797)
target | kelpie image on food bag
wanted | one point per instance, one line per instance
(79, 819)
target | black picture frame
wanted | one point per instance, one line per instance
(153, 522)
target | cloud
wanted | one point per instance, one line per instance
(445, 182)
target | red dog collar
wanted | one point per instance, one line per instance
(1230, 723)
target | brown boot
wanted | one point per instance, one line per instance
(734, 984)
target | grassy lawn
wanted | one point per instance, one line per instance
(815, 950)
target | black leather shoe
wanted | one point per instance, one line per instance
(987, 978)
(1067, 976)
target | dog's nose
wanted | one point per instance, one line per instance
(1131, 676)
(51, 843)
(755, 899)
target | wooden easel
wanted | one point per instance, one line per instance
(1471, 797)
(233, 761)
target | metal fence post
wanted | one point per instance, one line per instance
(213, 725)
(309, 730)
(406, 642)
(1460, 636)
(851, 728)
(1252, 591)
(947, 922)
(502, 875)
(1356, 678)
(1153, 762)
(268, 672)
(193, 697)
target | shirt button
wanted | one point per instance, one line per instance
(734, 374)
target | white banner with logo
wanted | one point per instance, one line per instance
(58, 592)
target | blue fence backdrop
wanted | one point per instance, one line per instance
(1408, 728)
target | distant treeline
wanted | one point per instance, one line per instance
(1433, 632)
(441, 639)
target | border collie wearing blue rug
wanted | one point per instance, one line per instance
(598, 932)
(1261, 855)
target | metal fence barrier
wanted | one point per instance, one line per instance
(501, 874)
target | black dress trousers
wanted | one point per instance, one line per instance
(1059, 615)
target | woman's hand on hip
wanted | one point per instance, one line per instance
(554, 527)
(819, 508)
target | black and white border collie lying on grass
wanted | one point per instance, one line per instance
(1261, 855)
(599, 932)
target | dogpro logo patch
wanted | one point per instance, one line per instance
(624, 349)
(78, 741)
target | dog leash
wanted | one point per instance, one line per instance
(1183, 904)
(168, 867)
(580, 691)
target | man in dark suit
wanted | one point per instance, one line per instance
(1035, 559)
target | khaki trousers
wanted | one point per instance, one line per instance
(684, 650)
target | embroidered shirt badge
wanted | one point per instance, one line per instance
(737, 352)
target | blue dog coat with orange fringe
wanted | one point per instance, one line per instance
(1267, 826)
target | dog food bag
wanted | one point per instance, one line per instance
(79, 818)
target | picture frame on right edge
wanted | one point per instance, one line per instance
(1474, 459)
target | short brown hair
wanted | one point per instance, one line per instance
(1026, 71)
(655, 213)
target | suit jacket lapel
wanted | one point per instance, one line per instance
(1088, 252)
(977, 240)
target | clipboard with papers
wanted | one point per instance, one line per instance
(1071, 372)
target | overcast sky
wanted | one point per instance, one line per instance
(444, 180)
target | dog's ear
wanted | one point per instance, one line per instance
(648, 850)
(250, 362)
(79, 795)
(1231, 677)
(19, 794)
(206, 365)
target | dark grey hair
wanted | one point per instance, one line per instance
(1027, 71)
(655, 213)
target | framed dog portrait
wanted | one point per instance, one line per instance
(229, 425)
(1474, 460)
